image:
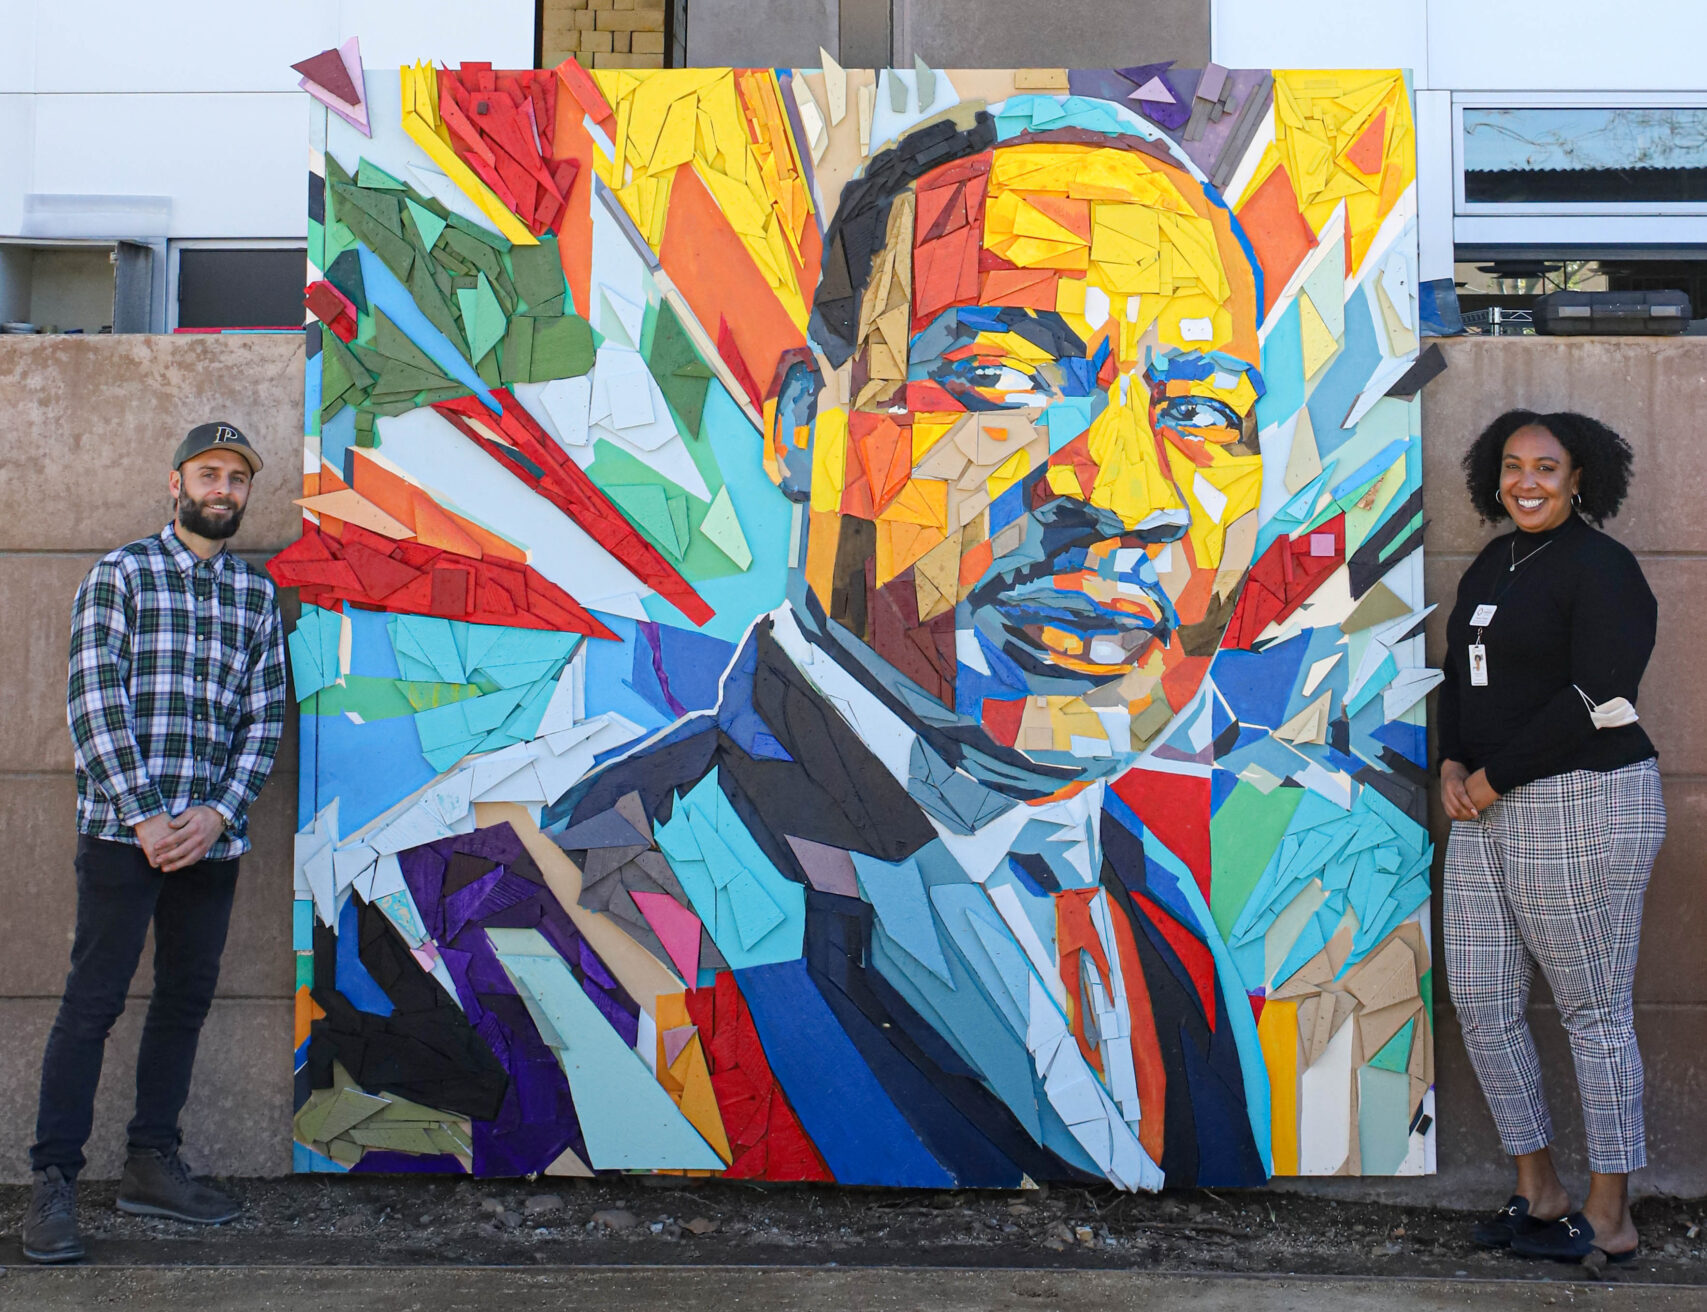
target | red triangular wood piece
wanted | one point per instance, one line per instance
(327, 68)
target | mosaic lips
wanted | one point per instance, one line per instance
(1090, 602)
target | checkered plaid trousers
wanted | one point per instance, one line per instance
(1553, 875)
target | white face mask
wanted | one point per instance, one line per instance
(1608, 715)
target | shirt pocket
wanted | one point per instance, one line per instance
(229, 667)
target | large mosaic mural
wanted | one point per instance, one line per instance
(862, 626)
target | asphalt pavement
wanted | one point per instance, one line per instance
(762, 1289)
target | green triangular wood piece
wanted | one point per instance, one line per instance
(1395, 1054)
(926, 80)
(377, 205)
(482, 318)
(482, 235)
(679, 517)
(428, 224)
(648, 507)
(724, 530)
(476, 254)
(682, 375)
(431, 298)
(393, 251)
(370, 174)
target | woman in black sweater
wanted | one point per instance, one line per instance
(1554, 792)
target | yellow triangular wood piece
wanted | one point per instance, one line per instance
(1319, 343)
(699, 1101)
(1400, 338)
(899, 545)
(922, 501)
(930, 600)
(1305, 461)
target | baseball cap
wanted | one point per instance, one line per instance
(218, 436)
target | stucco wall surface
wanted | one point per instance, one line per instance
(91, 424)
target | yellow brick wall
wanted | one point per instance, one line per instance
(604, 33)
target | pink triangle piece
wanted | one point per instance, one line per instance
(327, 68)
(353, 112)
(1156, 91)
(675, 1040)
(677, 929)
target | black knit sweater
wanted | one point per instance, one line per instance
(1576, 610)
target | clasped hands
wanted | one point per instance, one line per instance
(176, 842)
(1465, 795)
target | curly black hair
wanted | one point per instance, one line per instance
(1603, 456)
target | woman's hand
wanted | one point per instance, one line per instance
(1482, 795)
(1454, 790)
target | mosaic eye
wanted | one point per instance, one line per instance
(1197, 412)
(990, 376)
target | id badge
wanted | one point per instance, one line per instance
(1483, 616)
(1478, 665)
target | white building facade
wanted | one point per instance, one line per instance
(131, 143)
(1468, 57)
(179, 126)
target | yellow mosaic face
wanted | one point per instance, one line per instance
(1050, 418)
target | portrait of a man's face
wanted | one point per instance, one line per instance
(1045, 415)
(861, 626)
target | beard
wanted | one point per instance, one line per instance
(194, 517)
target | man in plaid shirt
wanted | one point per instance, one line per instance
(176, 700)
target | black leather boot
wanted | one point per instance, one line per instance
(50, 1226)
(159, 1184)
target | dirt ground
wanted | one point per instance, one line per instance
(376, 1221)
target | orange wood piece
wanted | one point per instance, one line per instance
(1277, 231)
(706, 259)
(1369, 151)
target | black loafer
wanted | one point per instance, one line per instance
(1569, 1239)
(1505, 1225)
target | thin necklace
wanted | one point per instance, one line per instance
(1515, 562)
(1511, 569)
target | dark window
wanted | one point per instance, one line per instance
(1585, 155)
(241, 288)
(1584, 186)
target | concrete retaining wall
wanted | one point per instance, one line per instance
(90, 424)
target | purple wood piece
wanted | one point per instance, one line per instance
(828, 869)
(537, 1120)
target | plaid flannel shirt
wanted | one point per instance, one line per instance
(176, 691)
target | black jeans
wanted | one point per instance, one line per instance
(118, 894)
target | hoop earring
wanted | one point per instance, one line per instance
(1577, 500)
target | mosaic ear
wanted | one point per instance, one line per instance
(791, 421)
